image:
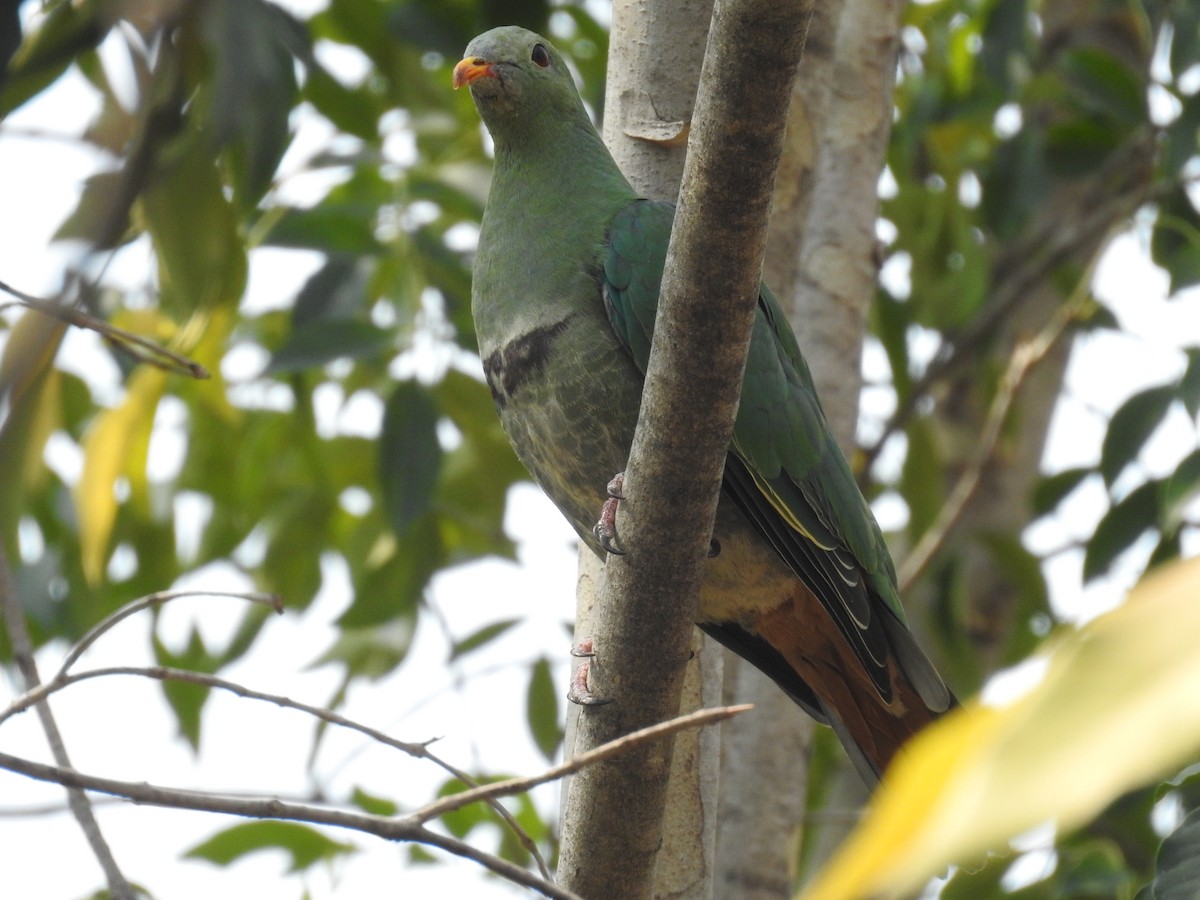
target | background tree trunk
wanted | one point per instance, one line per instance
(822, 263)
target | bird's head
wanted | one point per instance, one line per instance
(519, 81)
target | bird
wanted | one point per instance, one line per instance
(565, 285)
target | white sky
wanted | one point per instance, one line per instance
(123, 729)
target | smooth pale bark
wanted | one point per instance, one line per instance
(822, 263)
(642, 624)
(655, 52)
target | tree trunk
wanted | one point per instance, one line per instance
(642, 621)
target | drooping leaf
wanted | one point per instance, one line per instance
(254, 47)
(393, 582)
(186, 700)
(68, 30)
(1175, 241)
(409, 454)
(1189, 383)
(1123, 524)
(110, 445)
(1131, 426)
(921, 481)
(1179, 489)
(481, 637)
(541, 709)
(1053, 489)
(30, 387)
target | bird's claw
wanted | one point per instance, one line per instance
(605, 529)
(580, 692)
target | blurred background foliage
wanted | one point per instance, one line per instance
(351, 420)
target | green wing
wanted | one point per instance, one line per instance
(784, 470)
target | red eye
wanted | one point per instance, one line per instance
(540, 56)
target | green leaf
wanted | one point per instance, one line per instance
(353, 111)
(1123, 524)
(541, 709)
(1093, 868)
(1189, 383)
(1109, 85)
(921, 479)
(376, 806)
(1175, 240)
(392, 586)
(1179, 490)
(91, 219)
(1024, 571)
(338, 290)
(252, 89)
(1177, 872)
(201, 254)
(1051, 490)
(1131, 426)
(186, 700)
(1077, 146)
(1182, 136)
(481, 637)
(370, 652)
(409, 454)
(303, 844)
(67, 30)
(319, 342)
(892, 320)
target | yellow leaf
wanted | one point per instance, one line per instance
(30, 388)
(1116, 708)
(117, 438)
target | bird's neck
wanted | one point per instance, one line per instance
(561, 165)
(551, 201)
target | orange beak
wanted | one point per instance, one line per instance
(471, 68)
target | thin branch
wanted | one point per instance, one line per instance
(158, 598)
(1024, 359)
(408, 828)
(574, 764)
(140, 348)
(390, 828)
(65, 679)
(23, 655)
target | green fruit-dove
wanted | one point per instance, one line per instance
(566, 283)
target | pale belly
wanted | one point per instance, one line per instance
(573, 433)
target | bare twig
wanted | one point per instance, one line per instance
(574, 764)
(1024, 359)
(64, 679)
(158, 598)
(401, 828)
(408, 828)
(140, 348)
(22, 649)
